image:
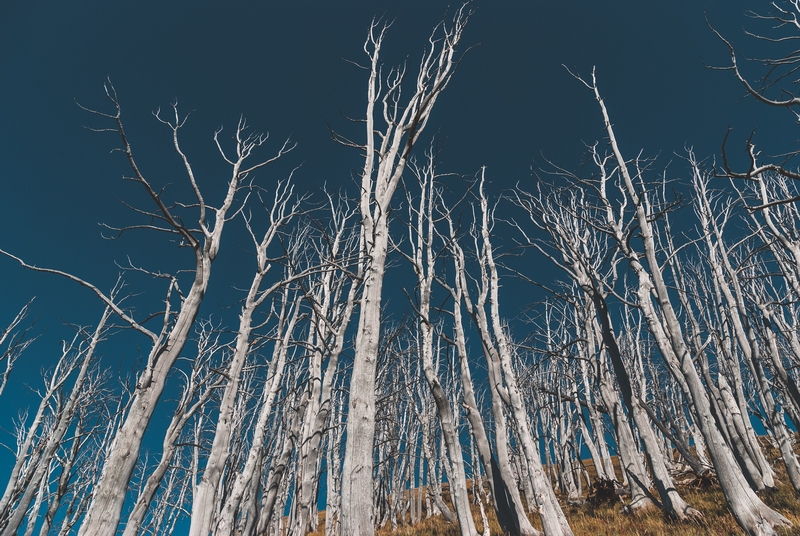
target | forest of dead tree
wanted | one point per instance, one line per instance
(664, 360)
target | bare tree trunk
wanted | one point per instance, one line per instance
(727, 401)
(64, 419)
(577, 248)
(197, 391)
(554, 522)
(630, 458)
(601, 459)
(718, 260)
(673, 505)
(103, 515)
(15, 343)
(750, 512)
(289, 314)
(385, 162)
(333, 460)
(565, 437)
(506, 478)
(204, 499)
(423, 259)
(64, 478)
(332, 310)
(278, 469)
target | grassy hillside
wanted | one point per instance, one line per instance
(608, 519)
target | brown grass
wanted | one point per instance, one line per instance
(610, 520)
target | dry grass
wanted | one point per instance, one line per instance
(610, 520)
(717, 520)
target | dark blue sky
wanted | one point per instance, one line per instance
(281, 64)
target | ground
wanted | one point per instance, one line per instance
(590, 519)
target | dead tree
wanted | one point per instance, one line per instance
(200, 384)
(55, 415)
(331, 295)
(775, 227)
(386, 153)
(726, 394)
(203, 238)
(13, 343)
(204, 500)
(422, 256)
(287, 312)
(728, 286)
(485, 313)
(502, 483)
(333, 451)
(654, 300)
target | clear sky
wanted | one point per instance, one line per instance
(282, 65)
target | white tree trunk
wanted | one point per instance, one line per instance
(554, 522)
(290, 312)
(385, 162)
(750, 512)
(105, 509)
(204, 500)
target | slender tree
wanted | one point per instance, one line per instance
(13, 342)
(386, 154)
(655, 302)
(423, 256)
(204, 239)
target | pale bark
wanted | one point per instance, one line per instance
(224, 524)
(64, 419)
(673, 505)
(578, 249)
(565, 437)
(630, 458)
(332, 299)
(198, 390)
(742, 323)
(506, 476)
(386, 156)
(775, 324)
(333, 461)
(204, 499)
(476, 310)
(751, 513)
(103, 515)
(15, 343)
(63, 483)
(605, 469)
(423, 259)
(277, 473)
(718, 260)
(728, 401)
(502, 376)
